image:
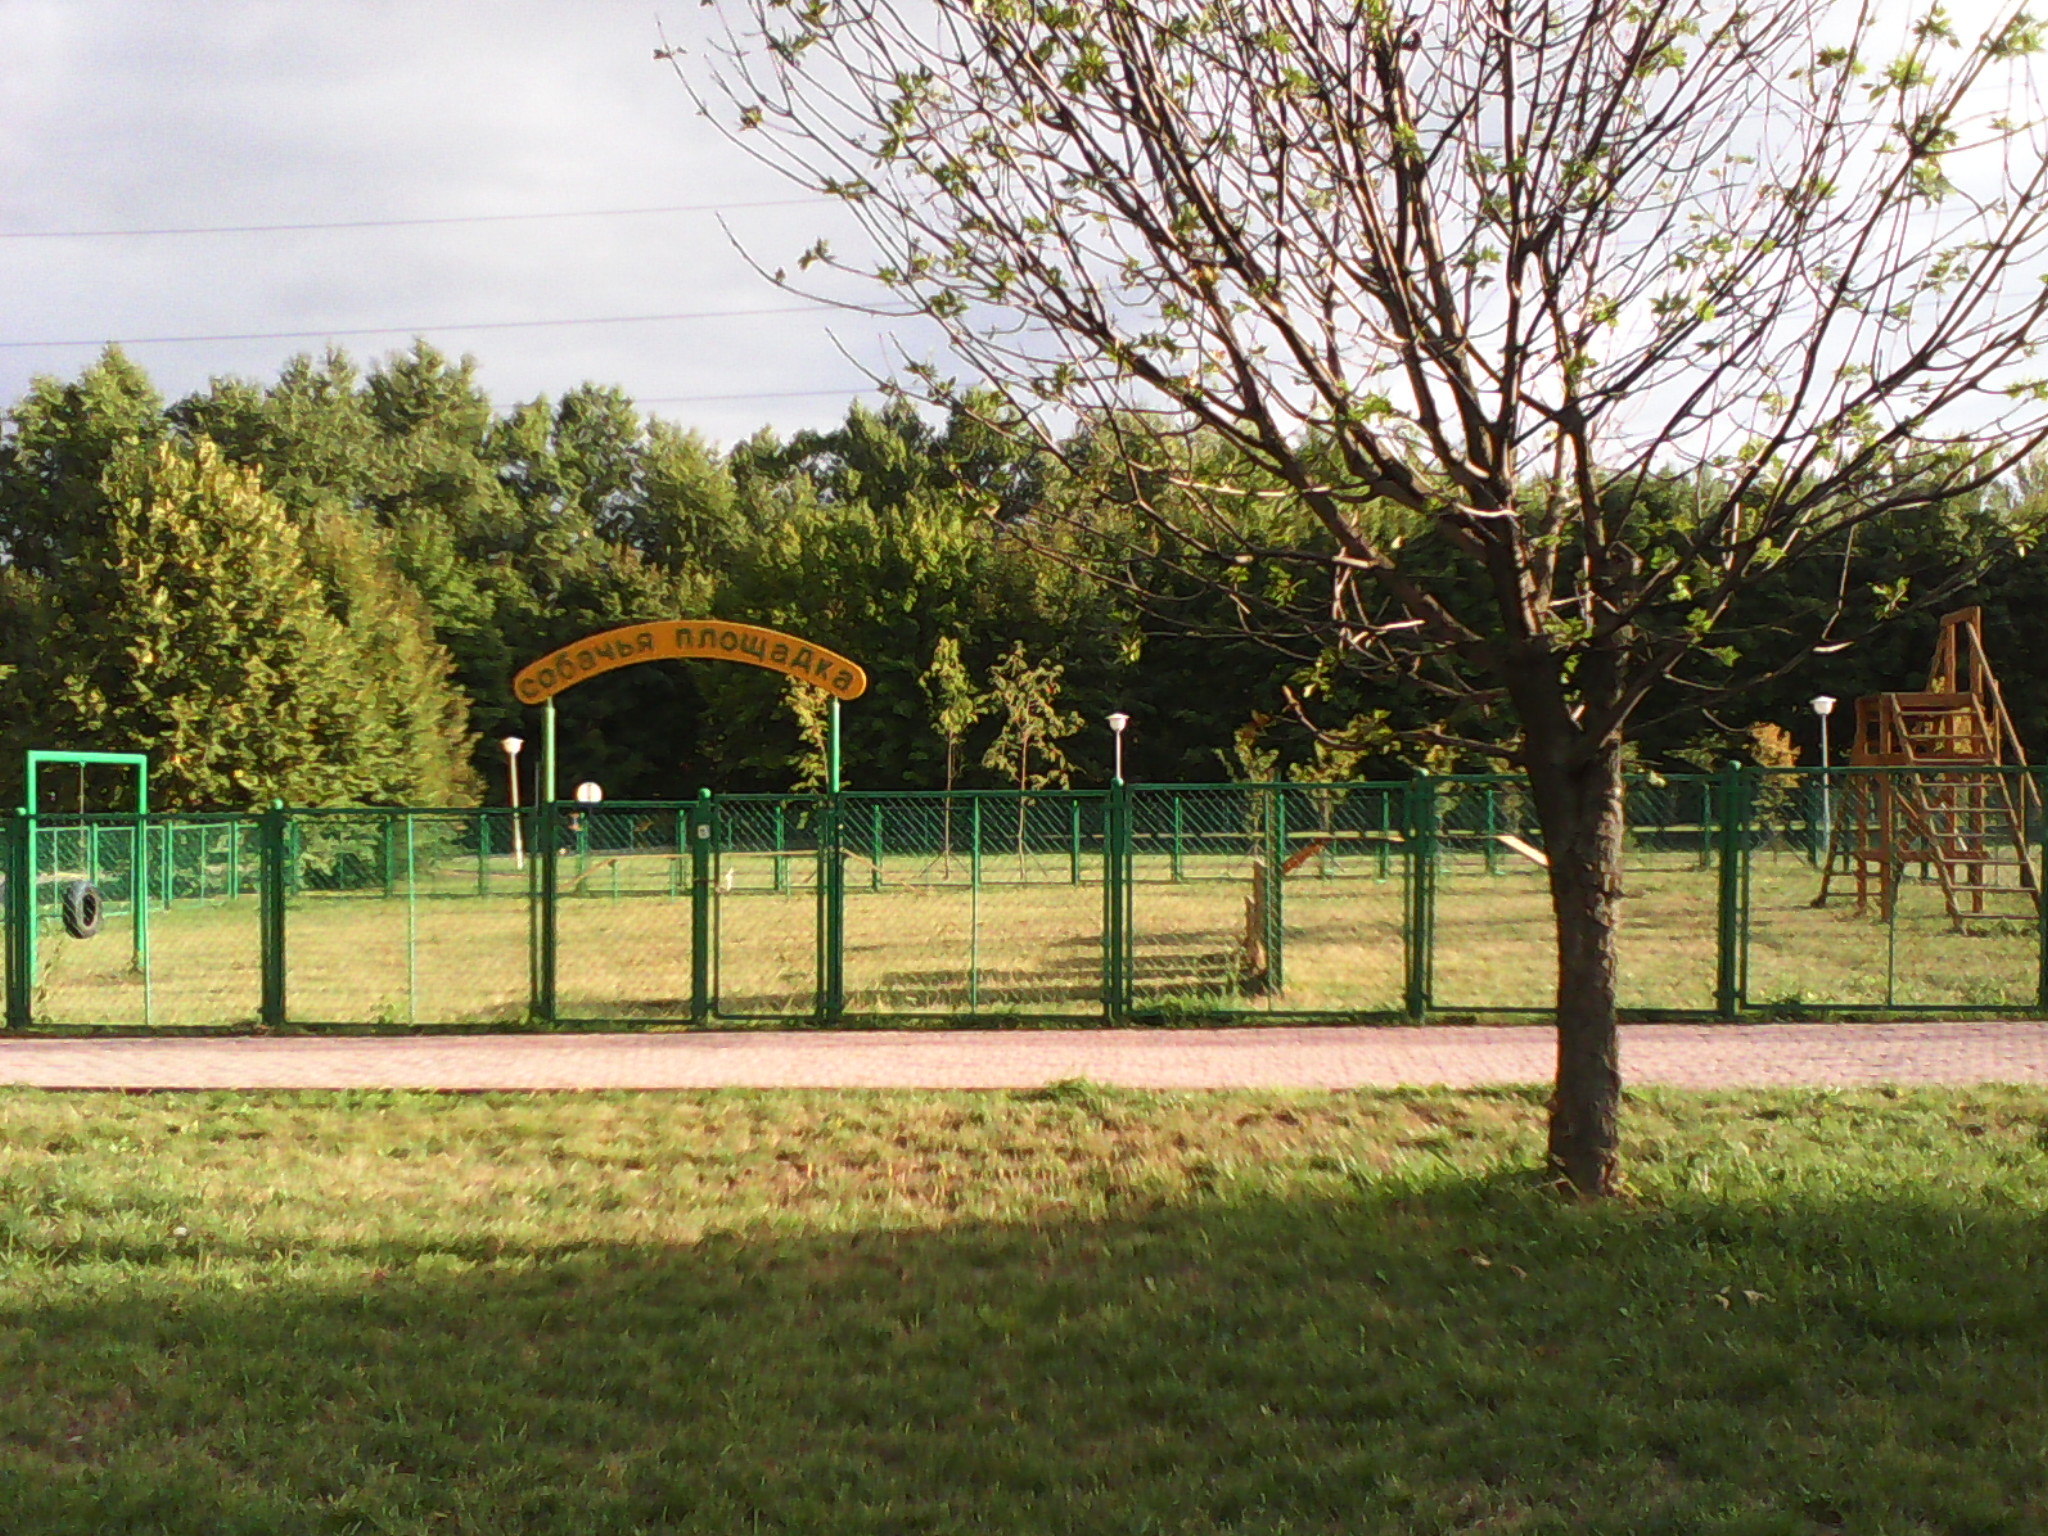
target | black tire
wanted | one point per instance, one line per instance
(82, 910)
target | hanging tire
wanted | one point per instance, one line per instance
(82, 908)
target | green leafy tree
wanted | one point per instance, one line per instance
(811, 707)
(1026, 696)
(1250, 760)
(414, 697)
(957, 706)
(876, 539)
(59, 441)
(71, 447)
(192, 627)
(520, 530)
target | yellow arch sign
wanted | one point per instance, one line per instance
(690, 640)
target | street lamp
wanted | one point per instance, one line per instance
(1117, 722)
(512, 744)
(1824, 706)
(587, 793)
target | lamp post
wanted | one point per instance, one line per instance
(587, 793)
(1824, 706)
(1117, 722)
(512, 744)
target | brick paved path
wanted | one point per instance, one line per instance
(1680, 1055)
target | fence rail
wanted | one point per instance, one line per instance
(1427, 897)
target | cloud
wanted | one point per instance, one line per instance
(122, 114)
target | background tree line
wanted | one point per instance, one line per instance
(319, 589)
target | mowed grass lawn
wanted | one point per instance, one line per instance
(1070, 1311)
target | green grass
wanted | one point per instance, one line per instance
(1072, 1311)
(924, 943)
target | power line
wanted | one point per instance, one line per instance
(774, 394)
(472, 218)
(413, 330)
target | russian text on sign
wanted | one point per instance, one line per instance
(686, 639)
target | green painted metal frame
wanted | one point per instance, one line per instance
(1418, 929)
(1411, 827)
(273, 877)
(1732, 862)
(138, 869)
(700, 824)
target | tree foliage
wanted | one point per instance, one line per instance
(1566, 323)
(1031, 726)
(190, 624)
(957, 706)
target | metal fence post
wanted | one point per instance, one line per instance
(514, 823)
(702, 838)
(412, 922)
(2040, 888)
(1419, 929)
(545, 861)
(272, 880)
(1275, 933)
(21, 916)
(1116, 904)
(1111, 911)
(1127, 889)
(974, 846)
(831, 999)
(1733, 840)
(874, 845)
(2031, 827)
(141, 882)
(781, 850)
(974, 919)
(1384, 846)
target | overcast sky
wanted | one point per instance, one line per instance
(138, 114)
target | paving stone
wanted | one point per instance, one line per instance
(1677, 1055)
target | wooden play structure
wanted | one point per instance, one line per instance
(1958, 804)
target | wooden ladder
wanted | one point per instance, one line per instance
(1952, 812)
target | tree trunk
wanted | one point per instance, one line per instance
(1579, 806)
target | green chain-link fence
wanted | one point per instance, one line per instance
(1423, 898)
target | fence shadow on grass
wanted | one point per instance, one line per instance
(1045, 985)
(1464, 1354)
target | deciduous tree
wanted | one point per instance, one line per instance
(957, 707)
(1460, 278)
(192, 627)
(1026, 696)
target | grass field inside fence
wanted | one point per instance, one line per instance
(1075, 1310)
(923, 939)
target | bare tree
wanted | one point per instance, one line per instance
(1465, 280)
